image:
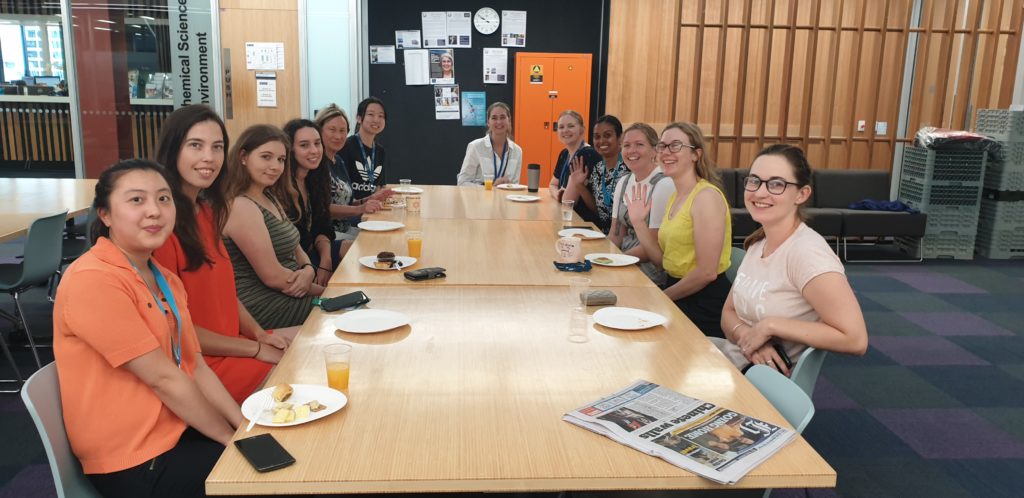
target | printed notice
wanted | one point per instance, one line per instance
(474, 105)
(442, 66)
(513, 28)
(264, 56)
(460, 27)
(435, 29)
(382, 54)
(407, 39)
(446, 102)
(417, 67)
(266, 89)
(495, 66)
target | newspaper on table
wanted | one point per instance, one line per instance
(706, 439)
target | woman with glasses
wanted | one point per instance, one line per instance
(595, 190)
(638, 152)
(576, 153)
(495, 154)
(693, 243)
(790, 291)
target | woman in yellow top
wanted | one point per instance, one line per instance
(693, 243)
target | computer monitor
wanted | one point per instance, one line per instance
(29, 80)
(48, 80)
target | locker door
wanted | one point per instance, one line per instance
(571, 91)
(533, 111)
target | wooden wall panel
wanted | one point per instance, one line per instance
(751, 73)
(632, 88)
(244, 21)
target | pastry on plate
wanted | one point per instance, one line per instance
(385, 259)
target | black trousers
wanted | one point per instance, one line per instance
(704, 308)
(179, 473)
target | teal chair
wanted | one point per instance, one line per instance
(42, 398)
(42, 259)
(785, 395)
(734, 263)
(75, 243)
(805, 373)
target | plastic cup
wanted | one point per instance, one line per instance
(567, 210)
(579, 327)
(488, 182)
(338, 360)
(577, 287)
(412, 203)
(414, 241)
(404, 182)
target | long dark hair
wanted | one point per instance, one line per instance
(107, 182)
(361, 110)
(172, 137)
(318, 181)
(801, 170)
(238, 178)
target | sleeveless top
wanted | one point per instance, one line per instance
(629, 241)
(270, 307)
(676, 235)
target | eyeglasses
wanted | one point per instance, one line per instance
(674, 146)
(775, 185)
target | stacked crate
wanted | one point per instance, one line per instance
(1001, 224)
(947, 186)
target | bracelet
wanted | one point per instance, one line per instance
(259, 347)
(309, 265)
(734, 327)
(324, 269)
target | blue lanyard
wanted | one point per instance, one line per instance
(606, 195)
(568, 162)
(373, 158)
(161, 282)
(504, 159)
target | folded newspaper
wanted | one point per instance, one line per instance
(706, 439)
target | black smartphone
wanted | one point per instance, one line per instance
(264, 453)
(344, 301)
(782, 354)
(425, 273)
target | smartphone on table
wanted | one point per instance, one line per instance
(264, 453)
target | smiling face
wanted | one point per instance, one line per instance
(202, 155)
(767, 208)
(265, 163)
(307, 148)
(637, 152)
(606, 141)
(141, 213)
(677, 163)
(374, 120)
(446, 63)
(570, 131)
(335, 133)
(498, 121)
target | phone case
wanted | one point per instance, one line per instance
(346, 301)
(782, 354)
(425, 273)
(264, 453)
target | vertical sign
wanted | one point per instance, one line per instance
(191, 38)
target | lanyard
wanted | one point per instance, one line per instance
(566, 166)
(606, 195)
(161, 282)
(504, 158)
(373, 158)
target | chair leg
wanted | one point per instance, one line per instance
(51, 290)
(10, 359)
(28, 332)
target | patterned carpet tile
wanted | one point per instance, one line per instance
(934, 283)
(949, 433)
(891, 323)
(976, 387)
(988, 477)
(953, 323)
(910, 351)
(886, 387)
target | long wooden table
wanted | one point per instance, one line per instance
(475, 203)
(469, 396)
(23, 200)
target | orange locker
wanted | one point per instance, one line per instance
(546, 85)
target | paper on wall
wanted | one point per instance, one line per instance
(446, 102)
(513, 28)
(460, 29)
(442, 66)
(474, 108)
(407, 39)
(435, 29)
(495, 66)
(382, 54)
(261, 56)
(417, 70)
(266, 89)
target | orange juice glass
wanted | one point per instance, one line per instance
(488, 182)
(338, 359)
(414, 241)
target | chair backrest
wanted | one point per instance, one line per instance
(784, 394)
(734, 264)
(41, 394)
(805, 373)
(43, 250)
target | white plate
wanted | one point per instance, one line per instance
(522, 198)
(301, 394)
(368, 321)
(617, 259)
(403, 262)
(581, 232)
(511, 186)
(627, 318)
(408, 190)
(380, 226)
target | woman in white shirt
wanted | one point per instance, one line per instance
(791, 289)
(495, 154)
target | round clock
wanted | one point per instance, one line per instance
(486, 20)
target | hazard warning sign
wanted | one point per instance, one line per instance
(536, 74)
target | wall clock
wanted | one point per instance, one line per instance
(486, 21)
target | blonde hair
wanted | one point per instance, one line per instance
(647, 130)
(569, 112)
(705, 168)
(502, 105)
(330, 112)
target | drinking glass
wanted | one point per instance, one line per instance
(337, 358)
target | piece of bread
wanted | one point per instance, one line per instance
(385, 259)
(282, 392)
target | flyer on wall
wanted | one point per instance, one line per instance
(495, 66)
(435, 29)
(474, 108)
(460, 27)
(513, 28)
(446, 102)
(416, 67)
(382, 54)
(442, 66)
(407, 39)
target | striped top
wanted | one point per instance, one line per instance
(270, 307)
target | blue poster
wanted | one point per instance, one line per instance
(474, 106)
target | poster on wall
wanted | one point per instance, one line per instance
(446, 102)
(382, 54)
(417, 70)
(264, 56)
(474, 108)
(513, 28)
(495, 66)
(266, 89)
(442, 66)
(407, 39)
(460, 27)
(435, 29)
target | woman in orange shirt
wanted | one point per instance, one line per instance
(192, 144)
(144, 414)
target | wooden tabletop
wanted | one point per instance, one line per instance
(470, 395)
(481, 252)
(23, 200)
(474, 203)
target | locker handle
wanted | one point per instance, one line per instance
(546, 124)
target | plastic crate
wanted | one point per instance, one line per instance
(959, 219)
(1001, 244)
(1012, 154)
(942, 167)
(1001, 124)
(942, 246)
(921, 195)
(1004, 176)
(1001, 215)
